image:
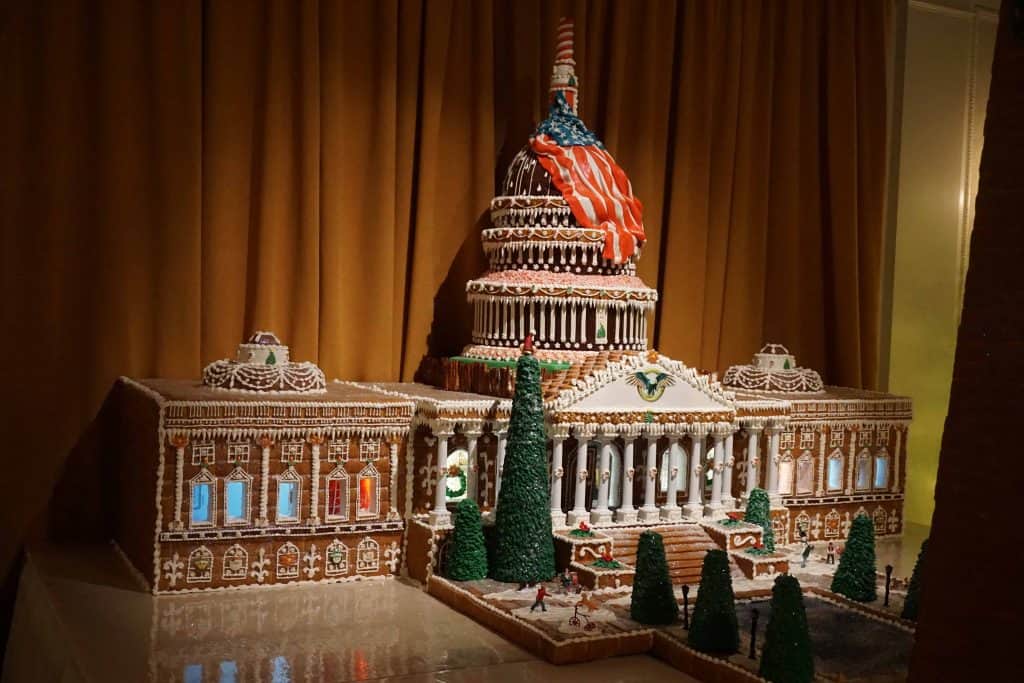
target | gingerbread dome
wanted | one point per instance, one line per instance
(526, 177)
(774, 370)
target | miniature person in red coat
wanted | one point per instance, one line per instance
(539, 602)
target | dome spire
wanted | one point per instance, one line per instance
(563, 74)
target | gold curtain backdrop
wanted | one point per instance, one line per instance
(178, 174)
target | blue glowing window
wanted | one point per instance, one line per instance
(228, 672)
(881, 471)
(280, 671)
(201, 504)
(193, 673)
(835, 474)
(236, 493)
(288, 500)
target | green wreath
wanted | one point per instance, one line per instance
(455, 493)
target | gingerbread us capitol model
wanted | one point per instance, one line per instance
(264, 473)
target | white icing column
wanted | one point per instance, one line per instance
(473, 475)
(499, 462)
(896, 455)
(694, 509)
(728, 500)
(671, 511)
(649, 512)
(602, 514)
(852, 460)
(315, 442)
(773, 464)
(179, 442)
(626, 511)
(714, 507)
(439, 514)
(557, 516)
(579, 509)
(393, 471)
(753, 443)
(265, 444)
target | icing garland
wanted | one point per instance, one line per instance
(455, 493)
(796, 380)
(300, 378)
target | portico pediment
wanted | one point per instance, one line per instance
(637, 384)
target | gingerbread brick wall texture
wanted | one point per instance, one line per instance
(969, 627)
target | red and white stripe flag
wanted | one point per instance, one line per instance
(598, 192)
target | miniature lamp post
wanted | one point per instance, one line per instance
(888, 581)
(754, 614)
(686, 607)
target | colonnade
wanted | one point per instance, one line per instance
(710, 448)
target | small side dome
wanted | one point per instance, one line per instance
(526, 177)
(264, 339)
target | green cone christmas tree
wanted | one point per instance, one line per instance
(653, 600)
(467, 559)
(910, 605)
(787, 656)
(713, 628)
(855, 577)
(759, 512)
(525, 548)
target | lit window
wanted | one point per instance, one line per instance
(666, 467)
(228, 672)
(337, 494)
(615, 480)
(835, 471)
(193, 673)
(881, 470)
(281, 671)
(369, 492)
(288, 496)
(203, 498)
(455, 482)
(786, 475)
(805, 473)
(863, 470)
(236, 497)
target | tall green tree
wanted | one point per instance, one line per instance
(787, 655)
(714, 628)
(525, 547)
(653, 601)
(759, 512)
(467, 559)
(855, 577)
(910, 605)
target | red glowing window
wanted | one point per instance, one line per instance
(367, 496)
(335, 498)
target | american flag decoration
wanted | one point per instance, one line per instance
(596, 189)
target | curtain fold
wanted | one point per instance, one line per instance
(177, 175)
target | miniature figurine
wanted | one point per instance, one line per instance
(539, 602)
(805, 554)
(830, 557)
(566, 579)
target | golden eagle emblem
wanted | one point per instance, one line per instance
(651, 384)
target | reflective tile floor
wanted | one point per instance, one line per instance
(81, 617)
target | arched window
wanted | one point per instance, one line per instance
(881, 469)
(288, 561)
(832, 524)
(203, 487)
(786, 474)
(805, 473)
(458, 471)
(289, 491)
(236, 563)
(835, 470)
(369, 493)
(879, 518)
(237, 487)
(368, 556)
(200, 565)
(863, 478)
(337, 559)
(336, 503)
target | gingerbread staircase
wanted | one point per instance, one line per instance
(685, 547)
